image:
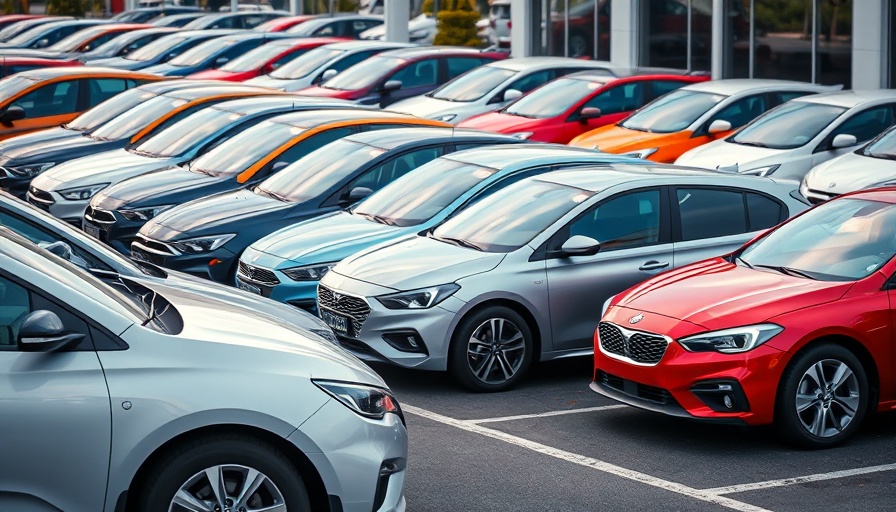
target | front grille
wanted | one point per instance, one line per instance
(257, 274)
(636, 389)
(99, 216)
(39, 198)
(636, 346)
(353, 307)
(151, 245)
(817, 196)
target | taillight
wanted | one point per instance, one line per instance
(509, 24)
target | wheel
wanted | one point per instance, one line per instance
(491, 349)
(223, 473)
(822, 398)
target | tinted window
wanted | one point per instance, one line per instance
(531, 81)
(418, 74)
(784, 97)
(553, 98)
(673, 112)
(310, 61)
(709, 213)
(104, 88)
(50, 100)
(474, 85)
(741, 111)
(458, 66)
(15, 304)
(623, 222)
(382, 175)
(867, 124)
(763, 212)
(351, 60)
(623, 98)
(661, 87)
(313, 143)
(364, 74)
(788, 126)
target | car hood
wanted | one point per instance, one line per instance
(425, 106)
(112, 166)
(851, 172)
(733, 157)
(616, 139)
(417, 262)
(502, 123)
(328, 238)
(322, 92)
(723, 294)
(34, 141)
(173, 185)
(297, 84)
(168, 69)
(120, 63)
(210, 215)
(62, 149)
(217, 74)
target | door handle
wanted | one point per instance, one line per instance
(654, 265)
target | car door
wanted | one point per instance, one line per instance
(418, 77)
(635, 245)
(713, 221)
(54, 411)
(864, 125)
(50, 104)
(615, 103)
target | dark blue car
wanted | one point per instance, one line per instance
(214, 53)
(162, 49)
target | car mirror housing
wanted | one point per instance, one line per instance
(843, 140)
(42, 331)
(389, 86)
(13, 113)
(328, 74)
(512, 94)
(358, 193)
(719, 126)
(579, 245)
(589, 113)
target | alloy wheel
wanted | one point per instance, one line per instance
(496, 350)
(827, 398)
(228, 488)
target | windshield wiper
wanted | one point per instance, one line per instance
(789, 271)
(885, 156)
(378, 218)
(270, 194)
(142, 153)
(745, 262)
(459, 242)
(752, 144)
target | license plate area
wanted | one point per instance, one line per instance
(93, 231)
(336, 322)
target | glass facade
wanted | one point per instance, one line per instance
(574, 28)
(891, 43)
(676, 34)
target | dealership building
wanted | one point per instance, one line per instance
(849, 42)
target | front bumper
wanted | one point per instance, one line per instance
(15, 185)
(277, 286)
(59, 207)
(217, 265)
(111, 228)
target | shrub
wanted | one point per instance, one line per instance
(457, 23)
(66, 7)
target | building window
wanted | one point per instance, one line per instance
(572, 30)
(676, 34)
(891, 31)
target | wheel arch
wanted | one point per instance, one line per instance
(516, 306)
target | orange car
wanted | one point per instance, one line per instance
(43, 98)
(691, 116)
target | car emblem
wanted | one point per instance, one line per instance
(635, 319)
(336, 298)
(833, 184)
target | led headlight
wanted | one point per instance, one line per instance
(640, 153)
(82, 193)
(762, 171)
(202, 244)
(422, 298)
(143, 214)
(445, 117)
(28, 171)
(309, 272)
(366, 401)
(522, 135)
(731, 341)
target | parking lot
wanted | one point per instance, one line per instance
(553, 444)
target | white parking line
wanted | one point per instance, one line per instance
(585, 461)
(800, 479)
(547, 414)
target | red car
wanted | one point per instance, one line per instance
(264, 59)
(574, 104)
(281, 24)
(13, 65)
(796, 328)
(398, 74)
(8, 19)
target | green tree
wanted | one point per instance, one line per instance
(66, 7)
(457, 23)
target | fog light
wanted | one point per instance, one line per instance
(721, 395)
(405, 341)
(728, 403)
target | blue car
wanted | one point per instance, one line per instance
(48, 34)
(214, 53)
(287, 265)
(161, 50)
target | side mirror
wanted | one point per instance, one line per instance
(589, 113)
(43, 43)
(357, 193)
(512, 94)
(391, 85)
(13, 113)
(169, 56)
(328, 74)
(220, 61)
(278, 166)
(267, 68)
(719, 126)
(579, 245)
(844, 140)
(42, 331)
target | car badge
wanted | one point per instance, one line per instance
(635, 319)
(833, 184)
(336, 298)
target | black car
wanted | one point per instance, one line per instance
(218, 228)
(240, 20)
(145, 14)
(20, 27)
(161, 50)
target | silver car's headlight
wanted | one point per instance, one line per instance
(143, 214)
(445, 117)
(422, 298)
(640, 153)
(367, 401)
(202, 244)
(29, 171)
(762, 171)
(731, 341)
(309, 272)
(82, 193)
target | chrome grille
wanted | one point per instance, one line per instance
(99, 216)
(39, 198)
(636, 346)
(257, 274)
(346, 305)
(817, 196)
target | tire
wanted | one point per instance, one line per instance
(840, 401)
(237, 457)
(497, 364)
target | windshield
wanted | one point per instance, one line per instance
(156, 48)
(254, 59)
(305, 64)
(74, 41)
(137, 118)
(109, 109)
(553, 98)
(30, 34)
(363, 74)
(673, 112)
(184, 135)
(842, 240)
(12, 29)
(884, 146)
(512, 217)
(789, 126)
(202, 52)
(474, 84)
(436, 185)
(12, 85)
(308, 28)
(245, 149)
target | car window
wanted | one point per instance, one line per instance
(350, 60)
(253, 21)
(459, 65)
(742, 111)
(785, 96)
(329, 30)
(661, 87)
(289, 57)
(50, 100)
(359, 26)
(229, 22)
(622, 222)
(417, 74)
(101, 89)
(788, 126)
(394, 168)
(867, 124)
(622, 98)
(309, 145)
(763, 212)
(15, 304)
(532, 80)
(99, 41)
(709, 213)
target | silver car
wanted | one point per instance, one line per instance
(136, 394)
(521, 275)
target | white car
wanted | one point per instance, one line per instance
(493, 86)
(421, 30)
(789, 140)
(871, 166)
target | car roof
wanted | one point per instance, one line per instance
(75, 22)
(32, 60)
(163, 86)
(257, 104)
(299, 42)
(319, 117)
(47, 73)
(210, 33)
(850, 98)
(396, 137)
(368, 45)
(730, 87)
(418, 52)
(627, 172)
(498, 157)
(194, 93)
(534, 63)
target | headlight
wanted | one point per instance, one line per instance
(201, 244)
(367, 401)
(606, 306)
(731, 341)
(144, 214)
(445, 117)
(762, 171)
(418, 299)
(522, 135)
(82, 193)
(29, 171)
(641, 153)
(309, 272)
